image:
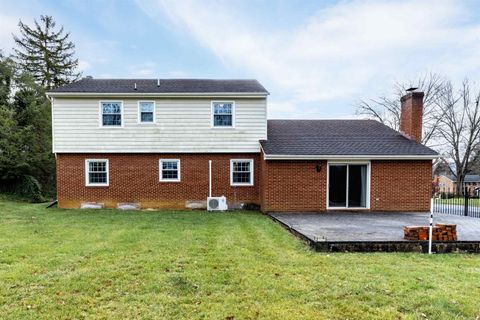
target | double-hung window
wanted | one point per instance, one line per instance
(96, 172)
(241, 172)
(146, 112)
(169, 170)
(223, 114)
(111, 112)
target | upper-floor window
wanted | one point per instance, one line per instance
(111, 112)
(170, 170)
(96, 172)
(146, 112)
(223, 114)
(241, 172)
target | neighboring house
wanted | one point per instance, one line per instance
(448, 183)
(150, 142)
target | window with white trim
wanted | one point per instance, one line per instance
(222, 113)
(96, 172)
(241, 172)
(170, 170)
(146, 111)
(111, 113)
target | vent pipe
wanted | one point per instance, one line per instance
(209, 178)
(135, 86)
(158, 82)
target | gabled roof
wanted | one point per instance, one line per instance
(339, 138)
(161, 86)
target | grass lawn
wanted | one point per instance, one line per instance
(196, 265)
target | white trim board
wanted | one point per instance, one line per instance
(252, 175)
(160, 169)
(349, 157)
(157, 94)
(139, 113)
(107, 168)
(212, 114)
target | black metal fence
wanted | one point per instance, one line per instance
(466, 205)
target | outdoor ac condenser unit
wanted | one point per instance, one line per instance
(217, 203)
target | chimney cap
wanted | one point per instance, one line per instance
(411, 89)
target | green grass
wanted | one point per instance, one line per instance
(195, 265)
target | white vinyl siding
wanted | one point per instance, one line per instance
(182, 125)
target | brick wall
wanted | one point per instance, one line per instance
(401, 185)
(293, 186)
(135, 178)
(296, 186)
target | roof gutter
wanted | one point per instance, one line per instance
(158, 94)
(348, 157)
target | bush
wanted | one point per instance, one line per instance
(26, 188)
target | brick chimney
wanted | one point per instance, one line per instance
(411, 115)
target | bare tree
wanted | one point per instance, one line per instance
(386, 109)
(459, 126)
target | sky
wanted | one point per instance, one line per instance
(317, 59)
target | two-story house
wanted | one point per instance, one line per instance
(165, 143)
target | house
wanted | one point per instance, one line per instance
(448, 183)
(165, 143)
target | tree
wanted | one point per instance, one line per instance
(46, 53)
(386, 109)
(459, 126)
(26, 160)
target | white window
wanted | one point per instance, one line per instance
(241, 172)
(146, 112)
(96, 172)
(223, 114)
(111, 113)
(169, 170)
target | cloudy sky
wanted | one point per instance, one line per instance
(317, 58)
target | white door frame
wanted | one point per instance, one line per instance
(348, 162)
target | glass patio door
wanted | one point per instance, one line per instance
(347, 185)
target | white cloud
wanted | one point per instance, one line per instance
(143, 70)
(343, 51)
(83, 65)
(8, 26)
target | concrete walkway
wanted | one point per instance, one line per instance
(346, 226)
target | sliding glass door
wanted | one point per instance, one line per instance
(347, 185)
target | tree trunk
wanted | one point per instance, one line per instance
(460, 179)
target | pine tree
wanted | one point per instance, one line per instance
(46, 53)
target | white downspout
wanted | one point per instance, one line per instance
(209, 178)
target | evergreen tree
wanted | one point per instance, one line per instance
(46, 53)
(27, 164)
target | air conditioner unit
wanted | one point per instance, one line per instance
(217, 203)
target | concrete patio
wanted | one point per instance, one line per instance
(345, 231)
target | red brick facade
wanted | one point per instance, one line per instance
(401, 185)
(298, 186)
(135, 178)
(295, 186)
(411, 115)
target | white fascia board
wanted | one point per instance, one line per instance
(349, 157)
(157, 94)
